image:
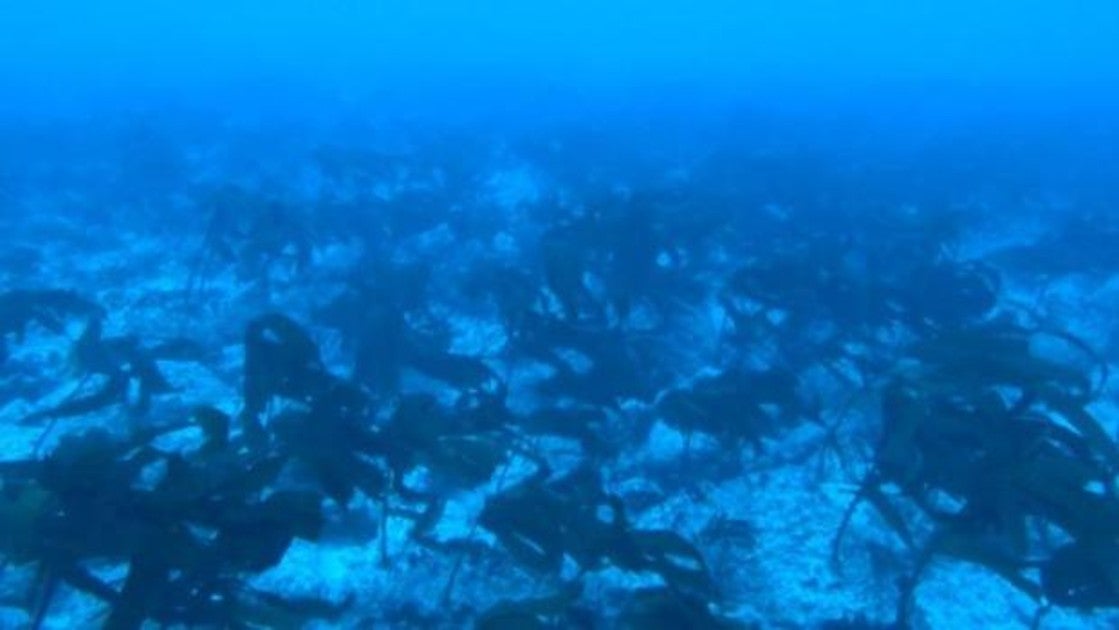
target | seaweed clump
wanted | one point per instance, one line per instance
(990, 454)
(49, 308)
(188, 530)
(189, 524)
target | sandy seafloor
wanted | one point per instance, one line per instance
(778, 576)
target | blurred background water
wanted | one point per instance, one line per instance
(531, 56)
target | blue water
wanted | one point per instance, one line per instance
(559, 315)
(120, 51)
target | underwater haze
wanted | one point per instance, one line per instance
(117, 51)
(570, 315)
